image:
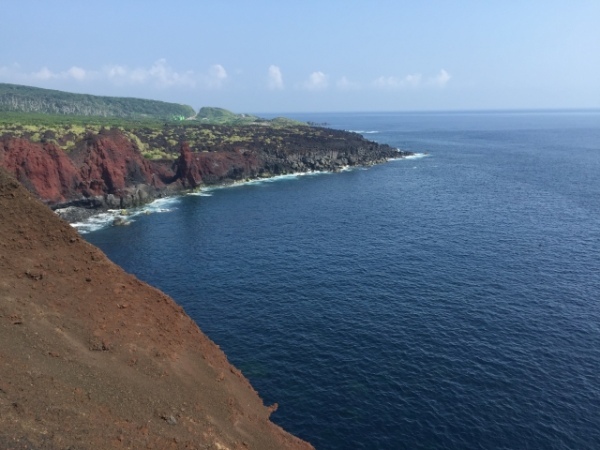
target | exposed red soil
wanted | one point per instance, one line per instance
(92, 358)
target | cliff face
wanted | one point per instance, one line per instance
(112, 170)
(107, 169)
(93, 358)
(44, 169)
(196, 168)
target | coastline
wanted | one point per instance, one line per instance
(107, 170)
(86, 220)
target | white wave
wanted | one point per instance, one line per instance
(163, 203)
(107, 218)
(206, 191)
(414, 156)
(95, 222)
(363, 131)
(417, 156)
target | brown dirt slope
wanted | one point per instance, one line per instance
(92, 358)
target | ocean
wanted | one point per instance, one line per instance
(446, 301)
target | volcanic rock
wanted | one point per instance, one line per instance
(44, 169)
(108, 170)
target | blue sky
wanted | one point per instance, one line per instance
(305, 56)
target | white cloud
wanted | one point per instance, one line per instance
(159, 74)
(275, 78)
(317, 81)
(122, 75)
(345, 84)
(44, 74)
(162, 75)
(408, 81)
(411, 81)
(217, 75)
(441, 79)
(77, 73)
(113, 72)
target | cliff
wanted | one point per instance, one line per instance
(107, 169)
(92, 358)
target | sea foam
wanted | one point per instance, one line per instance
(207, 191)
(363, 131)
(107, 218)
(162, 205)
(416, 156)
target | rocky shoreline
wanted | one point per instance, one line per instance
(107, 170)
(81, 210)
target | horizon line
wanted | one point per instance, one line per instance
(440, 111)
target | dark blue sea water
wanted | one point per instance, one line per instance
(445, 302)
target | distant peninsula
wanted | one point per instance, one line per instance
(111, 152)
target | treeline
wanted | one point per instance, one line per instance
(26, 99)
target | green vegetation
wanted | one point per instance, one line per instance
(220, 116)
(26, 99)
(36, 105)
(155, 139)
(67, 131)
(157, 128)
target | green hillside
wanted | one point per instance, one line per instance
(26, 99)
(219, 116)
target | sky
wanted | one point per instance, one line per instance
(311, 56)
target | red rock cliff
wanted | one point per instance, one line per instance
(109, 163)
(106, 167)
(43, 168)
(193, 169)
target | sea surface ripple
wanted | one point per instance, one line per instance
(447, 302)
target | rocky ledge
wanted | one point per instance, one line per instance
(107, 170)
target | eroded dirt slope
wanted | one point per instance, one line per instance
(92, 358)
